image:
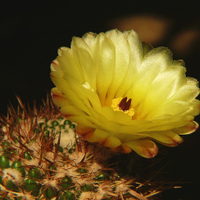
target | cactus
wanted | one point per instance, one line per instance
(41, 157)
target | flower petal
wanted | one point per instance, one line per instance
(187, 129)
(90, 39)
(105, 139)
(136, 55)
(121, 61)
(84, 131)
(86, 63)
(98, 69)
(168, 138)
(174, 79)
(154, 62)
(176, 108)
(145, 148)
(112, 115)
(69, 94)
(68, 63)
(84, 92)
(188, 92)
(58, 98)
(104, 62)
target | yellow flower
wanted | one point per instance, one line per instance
(123, 94)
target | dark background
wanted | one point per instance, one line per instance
(31, 33)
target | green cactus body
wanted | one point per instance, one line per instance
(41, 157)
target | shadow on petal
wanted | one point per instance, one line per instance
(145, 148)
(105, 139)
(187, 129)
(85, 132)
(167, 138)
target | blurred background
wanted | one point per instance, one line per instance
(31, 33)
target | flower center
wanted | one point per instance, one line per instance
(121, 104)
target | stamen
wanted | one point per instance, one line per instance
(124, 104)
(128, 103)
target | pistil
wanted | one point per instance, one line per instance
(124, 104)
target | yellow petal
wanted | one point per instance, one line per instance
(126, 149)
(68, 63)
(175, 108)
(145, 148)
(87, 67)
(86, 95)
(121, 62)
(104, 62)
(168, 138)
(115, 65)
(112, 115)
(177, 103)
(188, 92)
(80, 43)
(153, 63)
(69, 110)
(84, 131)
(187, 129)
(135, 59)
(159, 92)
(105, 139)
(79, 119)
(58, 97)
(90, 39)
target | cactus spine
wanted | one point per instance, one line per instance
(41, 157)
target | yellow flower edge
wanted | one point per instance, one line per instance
(124, 94)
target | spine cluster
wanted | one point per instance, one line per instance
(41, 157)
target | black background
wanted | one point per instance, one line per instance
(31, 33)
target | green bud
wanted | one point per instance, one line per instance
(55, 123)
(35, 173)
(41, 124)
(19, 119)
(72, 126)
(52, 128)
(27, 155)
(60, 118)
(52, 169)
(50, 193)
(46, 133)
(46, 126)
(9, 184)
(60, 148)
(66, 183)
(102, 177)
(70, 150)
(86, 188)
(18, 166)
(31, 185)
(6, 146)
(4, 162)
(62, 127)
(81, 170)
(67, 122)
(37, 130)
